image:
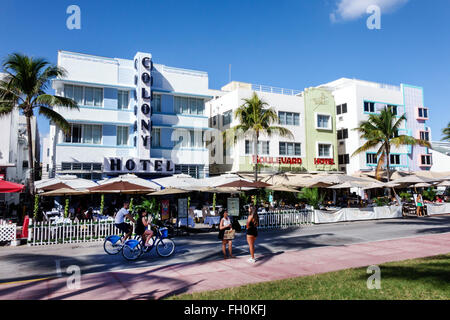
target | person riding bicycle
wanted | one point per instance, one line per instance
(143, 227)
(120, 223)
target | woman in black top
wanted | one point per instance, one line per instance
(252, 231)
(142, 227)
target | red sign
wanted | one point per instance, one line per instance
(323, 161)
(278, 160)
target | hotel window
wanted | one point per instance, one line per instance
(92, 134)
(156, 137)
(425, 135)
(190, 139)
(369, 107)
(157, 102)
(425, 160)
(122, 135)
(289, 149)
(185, 105)
(393, 109)
(227, 118)
(88, 96)
(122, 100)
(263, 147)
(342, 134)
(344, 159)
(74, 135)
(423, 113)
(289, 118)
(371, 158)
(324, 150)
(395, 159)
(342, 108)
(323, 121)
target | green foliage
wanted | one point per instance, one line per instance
(446, 133)
(429, 194)
(36, 206)
(405, 196)
(381, 201)
(130, 207)
(66, 208)
(153, 208)
(102, 203)
(311, 196)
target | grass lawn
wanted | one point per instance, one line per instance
(418, 279)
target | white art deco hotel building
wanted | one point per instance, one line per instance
(135, 116)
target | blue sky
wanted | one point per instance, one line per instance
(291, 44)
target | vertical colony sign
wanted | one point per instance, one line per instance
(143, 125)
(143, 65)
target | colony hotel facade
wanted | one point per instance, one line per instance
(134, 117)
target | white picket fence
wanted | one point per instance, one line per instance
(46, 233)
(282, 219)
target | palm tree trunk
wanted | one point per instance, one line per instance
(388, 169)
(30, 154)
(255, 151)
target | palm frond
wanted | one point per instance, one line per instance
(56, 118)
(49, 100)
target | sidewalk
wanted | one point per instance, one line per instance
(162, 281)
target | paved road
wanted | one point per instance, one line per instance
(23, 263)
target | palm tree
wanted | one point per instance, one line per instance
(381, 130)
(446, 132)
(255, 119)
(24, 88)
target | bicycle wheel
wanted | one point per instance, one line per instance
(131, 251)
(165, 247)
(112, 245)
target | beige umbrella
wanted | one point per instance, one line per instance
(169, 191)
(422, 185)
(63, 192)
(220, 190)
(376, 185)
(282, 188)
(444, 184)
(392, 184)
(347, 184)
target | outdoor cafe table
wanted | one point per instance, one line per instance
(182, 222)
(212, 220)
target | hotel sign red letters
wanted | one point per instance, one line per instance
(277, 160)
(323, 161)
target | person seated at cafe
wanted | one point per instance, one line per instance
(88, 215)
(438, 199)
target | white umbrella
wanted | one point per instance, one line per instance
(376, 185)
(71, 181)
(347, 184)
(444, 184)
(181, 181)
(422, 185)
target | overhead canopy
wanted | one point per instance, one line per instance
(120, 187)
(376, 185)
(444, 184)
(131, 178)
(348, 184)
(64, 192)
(56, 186)
(10, 187)
(70, 181)
(219, 180)
(413, 179)
(245, 184)
(219, 190)
(282, 188)
(181, 181)
(423, 185)
(169, 191)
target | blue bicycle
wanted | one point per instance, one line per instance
(134, 248)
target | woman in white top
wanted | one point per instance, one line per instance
(225, 224)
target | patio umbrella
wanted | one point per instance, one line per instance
(282, 188)
(120, 187)
(347, 184)
(412, 179)
(56, 186)
(444, 184)
(392, 184)
(181, 181)
(422, 185)
(9, 187)
(70, 181)
(376, 185)
(131, 178)
(246, 184)
(168, 191)
(64, 192)
(219, 190)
